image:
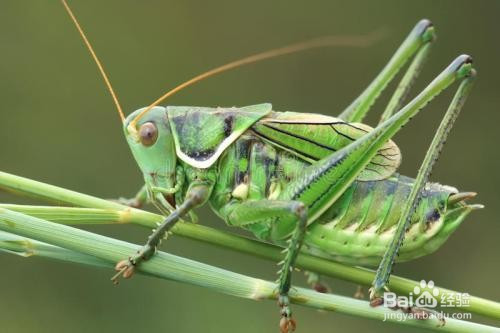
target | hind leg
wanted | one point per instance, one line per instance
(385, 267)
(421, 35)
(326, 180)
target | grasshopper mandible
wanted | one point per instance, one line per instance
(308, 182)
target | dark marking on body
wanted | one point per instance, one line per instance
(228, 125)
(242, 152)
(201, 155)
(433, 216)
(179, 123)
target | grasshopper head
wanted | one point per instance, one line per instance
(152, 144)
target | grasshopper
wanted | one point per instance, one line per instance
(307, 182)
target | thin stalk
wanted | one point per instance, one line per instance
(112, 212)
(26, 247)
(171, 267)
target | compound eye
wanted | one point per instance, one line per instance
(148, 133)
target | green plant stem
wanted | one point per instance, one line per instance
(26, 247)
(167, 266)
(111, 212)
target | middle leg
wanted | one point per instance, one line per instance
(254, 211)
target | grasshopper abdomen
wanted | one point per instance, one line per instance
(358, 228)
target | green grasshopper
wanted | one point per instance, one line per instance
(307, 182)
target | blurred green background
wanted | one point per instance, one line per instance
(58, 125)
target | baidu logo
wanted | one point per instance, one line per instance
(426, 295)
(426, 298)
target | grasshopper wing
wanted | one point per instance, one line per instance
(202, 134)
(314, 136)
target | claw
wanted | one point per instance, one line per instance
(377, 301)
(287, 325)
(125, 268)
(375, 298)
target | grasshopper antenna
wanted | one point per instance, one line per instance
(96, 59)
(353, 41)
